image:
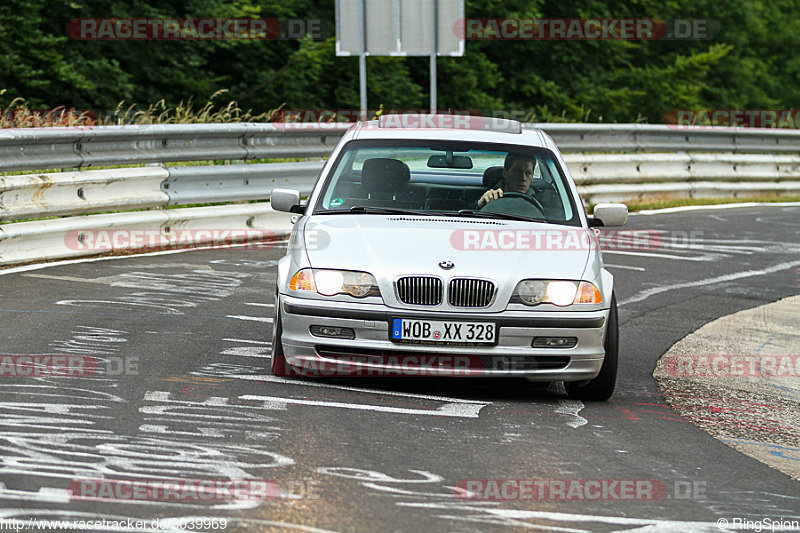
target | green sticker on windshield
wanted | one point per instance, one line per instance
(336, 202)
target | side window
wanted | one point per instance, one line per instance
(340, 186)
(555, 177)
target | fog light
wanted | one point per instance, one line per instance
(554, 342)
(333, 331)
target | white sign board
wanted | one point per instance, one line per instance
(400, 27)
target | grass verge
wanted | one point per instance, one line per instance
(681, 202)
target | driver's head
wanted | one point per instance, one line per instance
(518, 172)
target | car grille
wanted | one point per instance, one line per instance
(419, 290)
(464, 292)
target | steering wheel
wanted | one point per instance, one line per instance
(513, 194)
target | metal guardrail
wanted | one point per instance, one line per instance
(73, 193)
(83, 147)
(637, 161)
(94, 191)
(641, 168)
(229, 183)
(63, 238)
(664, 138)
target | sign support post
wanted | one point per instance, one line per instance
(434, 51)
(362, 59)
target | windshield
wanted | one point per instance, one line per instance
(459, 178)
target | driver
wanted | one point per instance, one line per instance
(517, 177)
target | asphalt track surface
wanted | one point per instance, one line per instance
(183, 391)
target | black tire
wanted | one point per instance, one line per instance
(601, 388)
(278, 363)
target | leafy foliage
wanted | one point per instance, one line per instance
(753, 62)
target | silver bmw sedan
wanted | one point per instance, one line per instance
(435, 245)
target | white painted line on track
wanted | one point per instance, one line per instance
(697, 244)
(107, 280)
(39, 266)
(248, 341)
(648, 524)
(517, 523)
(627, 267)
(262, 352)
(653, 524)
(457, 410)
(268, 320)
(572, 408)
(276, 379)
(667, 210)
(642, 295)
(259, 305)
(662, 256)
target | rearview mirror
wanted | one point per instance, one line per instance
(285, 200)
(609, 215)
(449, 161)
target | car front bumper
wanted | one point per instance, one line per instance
(372, 353)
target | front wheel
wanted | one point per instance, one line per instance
(601, 388)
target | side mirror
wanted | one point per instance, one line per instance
(285, 200)
(609, 215)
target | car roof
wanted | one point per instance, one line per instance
(527, 137)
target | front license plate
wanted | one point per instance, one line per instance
(443, 331)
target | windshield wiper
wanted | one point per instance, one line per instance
(372, 210)
(463, 212)
(385, 210)
(506, 216)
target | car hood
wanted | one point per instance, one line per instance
(388, 246)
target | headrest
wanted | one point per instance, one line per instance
(384, 176)
(492, 176)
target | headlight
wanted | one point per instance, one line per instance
(333, 282)
(560, 293)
